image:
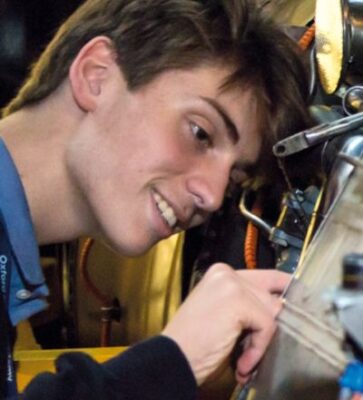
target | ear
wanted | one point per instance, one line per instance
(90, 70)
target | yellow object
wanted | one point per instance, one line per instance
(329, 42)
(291, 12)
(25, 339)
(251, 394)
(148, 288)
(311, 229)
(32, 362)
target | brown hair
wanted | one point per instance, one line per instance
(151, 36)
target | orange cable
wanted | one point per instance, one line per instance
(307, 37)
(252, 233)
(251, 239)
(106, 302)
(83, 258)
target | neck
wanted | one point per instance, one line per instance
(37, 138)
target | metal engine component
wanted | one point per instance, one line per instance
(308, 353)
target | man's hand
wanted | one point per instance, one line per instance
(223, 305)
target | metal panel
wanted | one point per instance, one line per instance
(307, 354)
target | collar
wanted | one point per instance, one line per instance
(16, 214)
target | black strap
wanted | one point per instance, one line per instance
(3, 347)
(7, 370)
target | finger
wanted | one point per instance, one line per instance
(255, 347)
(242, 379)
(271, 303)
(271, 280)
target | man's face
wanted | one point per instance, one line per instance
(158, 160)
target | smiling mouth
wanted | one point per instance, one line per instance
(166, 210)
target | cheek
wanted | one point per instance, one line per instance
(156, 164)
(163, 150)
(171, 156)
(143, 146)
(93, 161)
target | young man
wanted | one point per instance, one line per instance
(129, 129)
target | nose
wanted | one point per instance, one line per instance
(208, 185)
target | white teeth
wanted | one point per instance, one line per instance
(169, 216)
(165, 209)
(163, 205)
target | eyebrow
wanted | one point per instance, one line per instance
(231, 127)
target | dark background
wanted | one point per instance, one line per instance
(26, 26)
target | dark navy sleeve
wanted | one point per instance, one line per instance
(155, 369)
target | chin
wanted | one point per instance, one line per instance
(126, 241)
(127, 249)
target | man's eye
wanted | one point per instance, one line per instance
(201, 135)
